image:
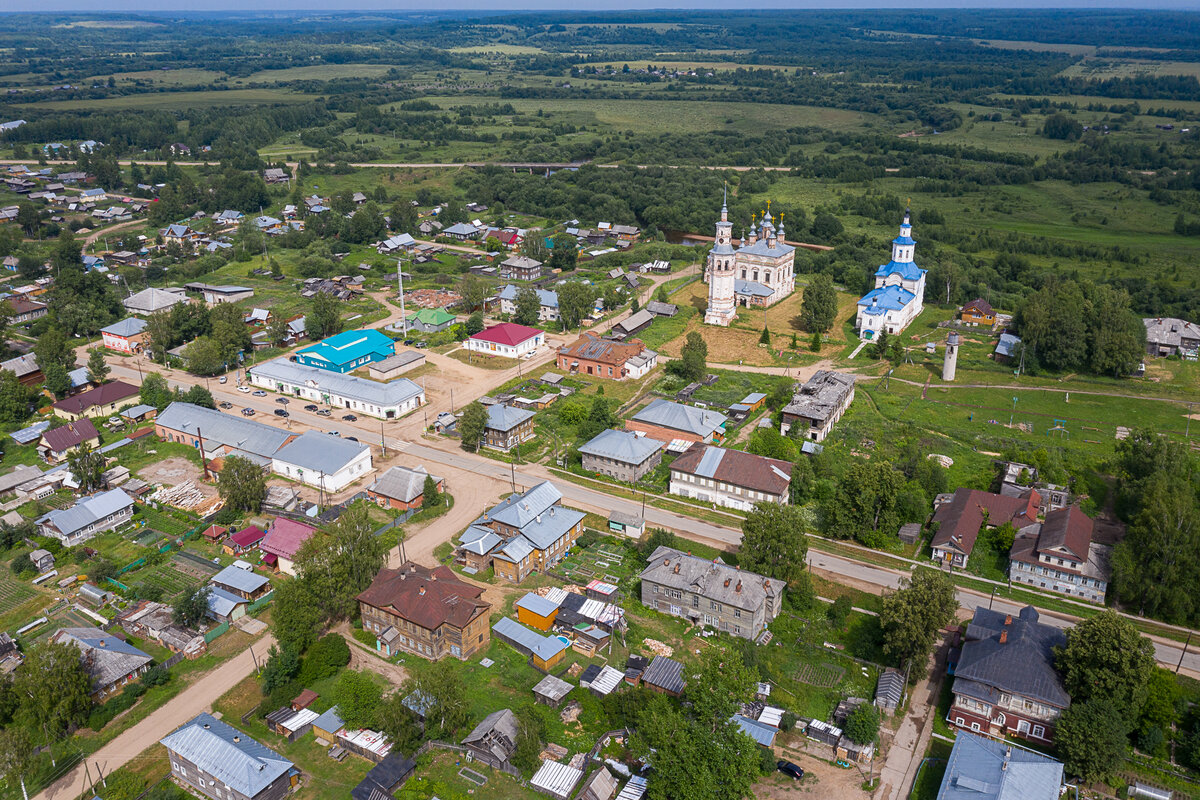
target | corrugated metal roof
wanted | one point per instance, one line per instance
(537, 604)
(635, 789)
(236, 433)
(239, 579)
(351, 387)
(555, 779)
(984, 769)
(608, 680)
(87, 511)
(677, 416)
(544, 647)
(320, 452)
(221, 603)
(505, 418)
(623, 446)
(710, 461)
(227, 754)
(760, 733)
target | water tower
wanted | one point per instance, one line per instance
(951, 360)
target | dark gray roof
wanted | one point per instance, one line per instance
(554, 688)
(821, 395)
(237, 433)
(106, 658)
(714, 580)
(227, 754)
(665, 673)
(497, 733)
(505, 418)
(890, 689)
(986, 769)
(1022, 665)
(86, 511)
(623, 446)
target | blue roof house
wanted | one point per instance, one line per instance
(347, 351)
(899, 293)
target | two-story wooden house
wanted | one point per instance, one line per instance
(711, 593)
(979, 312)
(425, 611)
(1005, 683)
(543, 529)
(1058, 554)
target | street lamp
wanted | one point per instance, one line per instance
(1014, 411)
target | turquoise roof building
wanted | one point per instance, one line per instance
(347, 351)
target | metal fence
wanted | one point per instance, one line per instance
(215, 632)
(260, 602)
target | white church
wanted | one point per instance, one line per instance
(759, 272)
(899, 293)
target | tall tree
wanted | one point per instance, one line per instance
(295, 618)
(818, 309)
(528, 306)
(162, 334)
(229, 330)
(724, 684)
(242, 484)
(1092, 738)
(472, 425)
(55, 379)
(534, 246)
(564, 255)
(474, 291)
(864, 506)
(16, 753)
(87, 467)
(154, 391)
(97, 367)
(449, 710)
(325, 317)
(15, 399)
(53, 687)
(912, 615)
(53, 347)
(191, 607)
(775, 541)
(339, 563)
(575, 300)
(204, 356)
(693, 358)
(357, 697)
(1105, 656)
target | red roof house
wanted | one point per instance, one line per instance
(56, 443)
(507, 339)
(283, 541)
(960, 520)
(243, 540)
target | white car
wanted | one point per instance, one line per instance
(222, 379)
(244, 389)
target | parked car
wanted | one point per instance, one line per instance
(247, 412)
(351, 439)
(311, 407)
(791, 770)
(350, 418)
(324, 412)
(222, 379)
(260, 393)
(281, 400)
(409, 342)
(421, 345)
(226, 404)
(244, 389)
(279, 412)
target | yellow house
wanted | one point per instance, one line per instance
(103, 401)
(536, 611)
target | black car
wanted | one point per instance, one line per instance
(349, 418)
(281, 400)
(791, 770)
(311, 407)
(279, 412)
(351, 439)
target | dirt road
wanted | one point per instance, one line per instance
(196, 698)
(95, 236)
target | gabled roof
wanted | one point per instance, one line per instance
(392, 393)
(222, 602)
(980, 306)
(105, 393)
(504, 418)
(1068, 529)
(106, 658)
(623, 446)
(461, 229)
(431, 316)
(665, 673)
(518, 510)
(501, 728)
(959, 520)
(676, 416)
(86, 511)
(980, 768)
(62, 439)
(248, 536)
(714, 580)
(402, 483)
(507, 333)
(769, 475)
(228, 755)
(479, 540)
(21, 365)
(241, 579)
(428, 597)
(130, 326)
(237, 433)
(547, 298)
(320, 452)
(1022, 664)
(285, 536)
(536, 604)
(544, 647)
(1008, 344)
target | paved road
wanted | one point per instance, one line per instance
(196, 698)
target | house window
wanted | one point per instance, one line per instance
(974, 726)
(1039, 731)
(958, 720)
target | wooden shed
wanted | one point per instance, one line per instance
(536, 611)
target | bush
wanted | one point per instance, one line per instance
(787, 721)
(329, 654)
(839, 612)
(156, 676)
(862, 725)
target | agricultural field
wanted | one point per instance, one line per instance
(180, 101)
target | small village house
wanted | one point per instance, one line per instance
(103, 401)
(282, 542)
(623, 455)
(730, 478)
(668, 421)
(507, 339)
(111, 663)
(402, 488)
(979, 312)
(425, 611)
(126, 336)
(507, 427)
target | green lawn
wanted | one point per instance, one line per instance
(175, 101)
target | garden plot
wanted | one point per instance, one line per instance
(194, 566)
(167, 577)
(606, 561)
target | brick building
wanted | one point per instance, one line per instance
(667, 421)
(602, 358)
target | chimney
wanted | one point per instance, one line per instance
(237, 739)
(666, 561)
(676, 569)
(421, 591)
(727, 583)
(1004, 637)
(738, 588)
(1008, 620)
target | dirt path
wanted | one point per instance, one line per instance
(95, 236)
(196, 698)
(363, 658)
(912, 739)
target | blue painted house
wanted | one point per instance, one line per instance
(347, 351)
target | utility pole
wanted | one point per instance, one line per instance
(203, 460)
(383, 439)
(400, 288)
(1184, 653)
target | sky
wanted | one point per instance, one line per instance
(98, 7)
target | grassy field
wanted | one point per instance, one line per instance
(500, 49)
(189, 76)
(1100, 68)
(317, 72)
(176, 101)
